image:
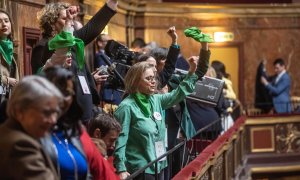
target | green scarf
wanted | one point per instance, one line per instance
(66, 39)
(196, 34)
(143, 103)
(6, 49)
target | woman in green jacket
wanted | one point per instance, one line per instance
(142, 139)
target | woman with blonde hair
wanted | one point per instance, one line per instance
(143, 125)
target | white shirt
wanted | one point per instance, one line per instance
(279, 76)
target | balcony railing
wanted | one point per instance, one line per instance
(188, 149)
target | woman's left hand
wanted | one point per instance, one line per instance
(193, 61)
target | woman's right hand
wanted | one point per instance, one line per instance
(123, 175)
(172, 33)
(72, 12)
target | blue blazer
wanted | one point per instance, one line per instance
(280, 92)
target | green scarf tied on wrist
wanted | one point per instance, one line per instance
(6, 49)
(66, 39)
(143, 103)
(196, 34)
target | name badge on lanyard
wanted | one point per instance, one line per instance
(84, 85)
(160, 149)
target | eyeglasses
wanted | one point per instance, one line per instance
(49, 112)
(150, 78)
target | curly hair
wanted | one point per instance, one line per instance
(49, 15)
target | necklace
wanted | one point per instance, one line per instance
(66, 146)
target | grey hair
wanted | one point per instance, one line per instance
(48, 16)
(31, 90)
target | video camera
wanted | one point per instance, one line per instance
(120, 53)
(121, 59)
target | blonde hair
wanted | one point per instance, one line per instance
(134, 76)
(49, 15)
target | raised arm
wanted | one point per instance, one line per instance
(172, 56)
(204, 39)
(203, 60)
(97, 23)
(63, 42)
(185, 87)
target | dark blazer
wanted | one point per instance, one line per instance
(280, 92)
(169, 68)
(22, 156)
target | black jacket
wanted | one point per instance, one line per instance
(263, 99)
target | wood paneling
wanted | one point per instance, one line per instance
(262, 139)
(264, 31)
(30, 38)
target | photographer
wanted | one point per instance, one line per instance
(109, 95)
